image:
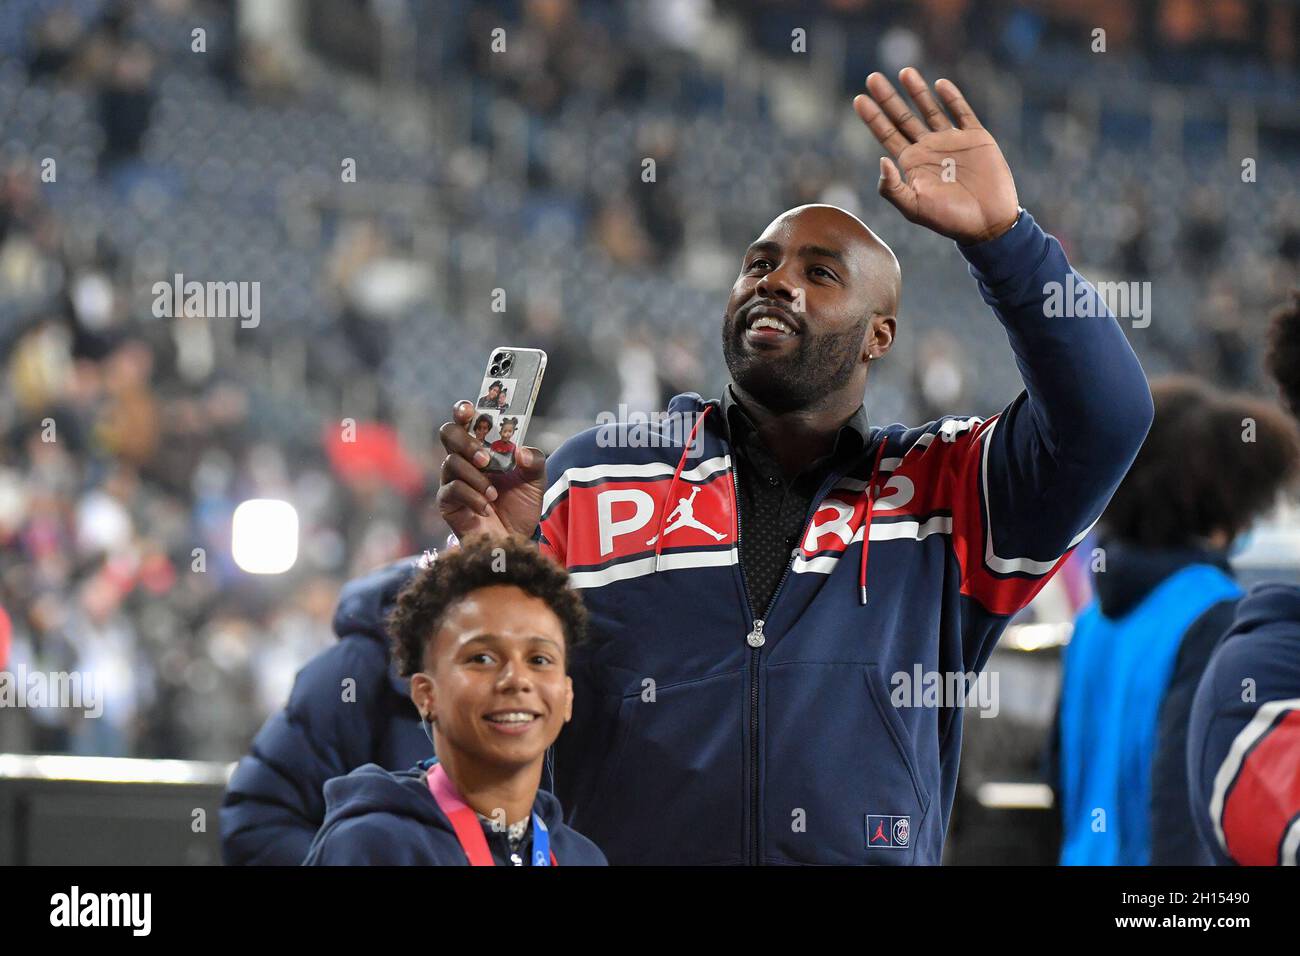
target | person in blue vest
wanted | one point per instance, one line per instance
(1165, 594)
(484, 635)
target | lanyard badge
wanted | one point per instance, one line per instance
(464, 820)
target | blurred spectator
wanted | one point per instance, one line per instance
(54, 44)
(126, 99)
(940, 383)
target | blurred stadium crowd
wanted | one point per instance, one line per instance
(522, 171)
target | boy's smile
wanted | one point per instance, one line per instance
(499, 688)
(513, 721)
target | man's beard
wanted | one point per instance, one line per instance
(801, 378)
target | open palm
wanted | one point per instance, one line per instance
(954, 179)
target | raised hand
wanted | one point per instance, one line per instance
(472, 501)
(954, 180)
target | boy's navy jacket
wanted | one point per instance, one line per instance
(377, 818)
(706, 731)
(1243, 742)
(275, 801)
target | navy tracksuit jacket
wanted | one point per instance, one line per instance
(709, 732)
(706, 731)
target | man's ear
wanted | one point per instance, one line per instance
(568, 699)
(424, 695)
(879, 338)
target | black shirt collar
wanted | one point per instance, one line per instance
(854, 435)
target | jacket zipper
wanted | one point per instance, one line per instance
(756, 640)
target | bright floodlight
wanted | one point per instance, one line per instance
(264, 536)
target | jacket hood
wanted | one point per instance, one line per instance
(1132, 572)
(371, 788)
(365, 602)
(689, 402)
(1265, 606)
(364, 606)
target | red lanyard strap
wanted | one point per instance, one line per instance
(464, 819)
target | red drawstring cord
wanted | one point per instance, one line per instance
(870, 491)
(663, 515)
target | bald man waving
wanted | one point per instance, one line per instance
(756, 690)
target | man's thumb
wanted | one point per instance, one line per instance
(893, 188)
(531, 463)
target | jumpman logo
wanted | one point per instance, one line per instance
(684, 517)
(880, 833)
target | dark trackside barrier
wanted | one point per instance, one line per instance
(103, 811)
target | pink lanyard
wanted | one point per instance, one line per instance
(464, 819)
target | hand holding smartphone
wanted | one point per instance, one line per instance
(487, 484)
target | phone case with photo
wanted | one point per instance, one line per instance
(505, 402)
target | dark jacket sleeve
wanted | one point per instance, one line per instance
(1044, 469)
(275, 800)
(1174, 840)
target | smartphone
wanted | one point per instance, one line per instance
(505, 402)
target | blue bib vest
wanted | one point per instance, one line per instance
(1115, 676)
